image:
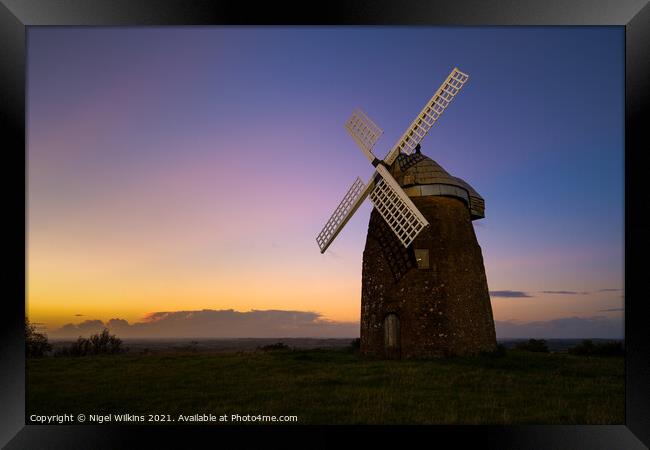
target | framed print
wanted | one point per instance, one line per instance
(373, 217)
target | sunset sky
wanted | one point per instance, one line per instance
(182, 169)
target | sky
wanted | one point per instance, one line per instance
(178, 173)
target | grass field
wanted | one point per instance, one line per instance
(335, 386)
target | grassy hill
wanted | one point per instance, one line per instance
(335, 386)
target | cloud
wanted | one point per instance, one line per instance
(218, 324)
(565, 292)
(509, 294)
(117, 325)
(84, 328)
(611, 310)
(79, 315)
(609, 290)
(567, 327)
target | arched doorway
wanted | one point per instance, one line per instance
(392, 336)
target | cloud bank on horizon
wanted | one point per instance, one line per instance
(509, 294)
(208, 323)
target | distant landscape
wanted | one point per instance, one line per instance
(276, 323)
(249, 344)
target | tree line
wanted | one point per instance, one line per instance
(104, 343)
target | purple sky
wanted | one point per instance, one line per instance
(180, 169)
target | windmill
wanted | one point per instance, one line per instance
(424, 289)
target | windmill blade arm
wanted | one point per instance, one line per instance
(364, 132)
(397, 209)
(429, 115)
(350, 203)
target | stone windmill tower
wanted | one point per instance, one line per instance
(424, 290)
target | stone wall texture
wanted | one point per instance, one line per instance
(443, 310)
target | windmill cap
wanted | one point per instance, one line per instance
(421, 176)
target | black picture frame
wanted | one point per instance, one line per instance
(634, 15)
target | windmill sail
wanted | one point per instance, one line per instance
(429, 115)
(364, 131)
(397, 209)
(350, 203)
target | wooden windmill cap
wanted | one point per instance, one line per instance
(421, 176)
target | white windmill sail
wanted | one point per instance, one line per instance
(350, 203)
(397, 209)
(363, 130)
(429, 115)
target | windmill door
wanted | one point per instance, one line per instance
(392, 336)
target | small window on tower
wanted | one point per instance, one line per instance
(422, 258)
